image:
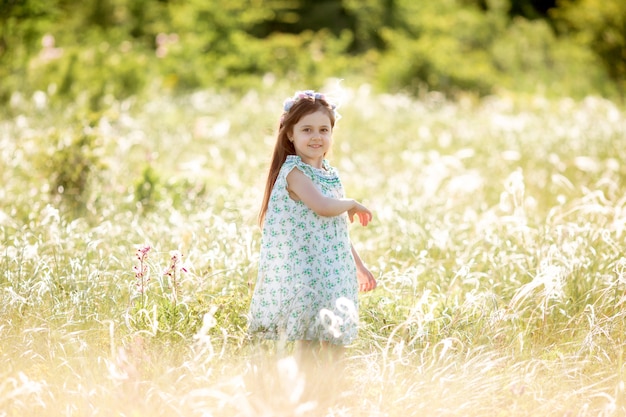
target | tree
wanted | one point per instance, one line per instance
(22, 25)
(601, 26)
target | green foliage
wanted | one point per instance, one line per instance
(439, 47)
(148, 187)
(601, 27)
(163, 318)
(230, 314)
(129, 47)
(22, 24)
(445, 47)
(531, 57)
(369, 17)
(115, 71)
(73, 157)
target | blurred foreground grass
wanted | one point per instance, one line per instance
(498, 244)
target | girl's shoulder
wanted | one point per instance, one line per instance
(326, 176)
(293, 161)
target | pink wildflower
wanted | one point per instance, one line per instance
(141, 270)
(172, 271)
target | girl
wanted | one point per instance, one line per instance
(309, 272)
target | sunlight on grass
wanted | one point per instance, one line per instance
(498, 243)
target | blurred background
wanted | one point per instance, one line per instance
(99, 49)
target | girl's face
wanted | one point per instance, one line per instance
(312, 137)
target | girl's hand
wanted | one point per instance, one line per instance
(365, 216)
(365, 279)
(363, 275)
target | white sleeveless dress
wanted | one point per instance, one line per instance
(306, 287)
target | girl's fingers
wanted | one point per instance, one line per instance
(367, 286)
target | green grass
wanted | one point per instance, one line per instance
(498, 244)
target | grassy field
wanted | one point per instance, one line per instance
(129, 245)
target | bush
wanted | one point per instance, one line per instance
(70, 161)
(440, 47)
(600, 27)
(531, 58)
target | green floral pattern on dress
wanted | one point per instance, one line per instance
(306, 288)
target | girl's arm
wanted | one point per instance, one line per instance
(366, 280)
(301, 188)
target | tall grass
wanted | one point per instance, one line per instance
(498, 244)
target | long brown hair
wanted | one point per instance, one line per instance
(284, 147)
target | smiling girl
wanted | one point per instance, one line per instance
(309, 272)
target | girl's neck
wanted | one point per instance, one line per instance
(315, 162)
